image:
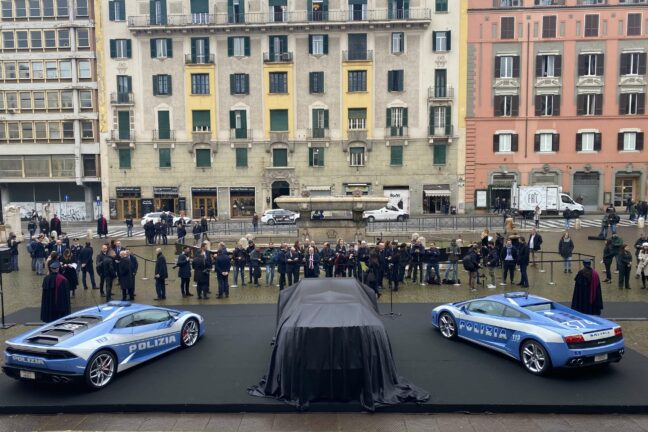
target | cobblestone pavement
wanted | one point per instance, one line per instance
(22, 289)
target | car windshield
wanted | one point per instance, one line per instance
(539, 307)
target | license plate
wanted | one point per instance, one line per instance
(600, 358)
(27, 375)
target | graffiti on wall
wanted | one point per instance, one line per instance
(66, 211)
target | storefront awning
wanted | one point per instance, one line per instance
(165, 190)
(433, 193)
(211, 191)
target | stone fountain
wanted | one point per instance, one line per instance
(353, 229)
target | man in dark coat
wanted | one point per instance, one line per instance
(281, 266)
(161, 275)
(134, 267)
(125, 275)
(184, 271)
(55, 225)
(222, 268)
(43, 225)
(201, 275)
(55, 301)
(587, 296)
(311, 263)
(523, 262)
(102, 226)
(85, 259)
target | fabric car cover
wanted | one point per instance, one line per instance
(331, 345)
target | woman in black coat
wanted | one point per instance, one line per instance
(125, 274)
(394, 271)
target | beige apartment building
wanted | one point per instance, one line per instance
(228, 104)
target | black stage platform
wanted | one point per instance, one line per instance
(214, 375)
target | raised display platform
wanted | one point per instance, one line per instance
(215, 374)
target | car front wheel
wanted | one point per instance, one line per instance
(535, 357)
(371, 219)
(400, 218)
(447, 326)
(271, 221)
(189, 333)
(101, 369)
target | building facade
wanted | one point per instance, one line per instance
(228, 104)
(49, 137)
(556, 95)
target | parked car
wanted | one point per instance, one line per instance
(388, 213)
(279, 216)
(155, 217)
(539, 333)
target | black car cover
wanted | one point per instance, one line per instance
(331, 345)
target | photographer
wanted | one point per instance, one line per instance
(13, 243)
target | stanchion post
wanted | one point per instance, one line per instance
(551, 281)
(542, 269)
(145, 268)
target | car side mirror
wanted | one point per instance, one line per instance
(464, 309)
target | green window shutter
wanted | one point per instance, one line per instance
(169, 85)
(325, 44)
(164, 11)
(123, 122)
(390, 80)
(200, 119)
(169, 45)
(439, 154)
(113, 48)
(230, 46)
(326, 119)
(153, 49)
(164, 128)
(405, 117)
(111, 10)
(230, 11)
(310, 156)
(278, 120)
(448, 120)
(193, 50)
(206, 47)
(129, 49)
(155, 85)
(232, 119)
(401, 80)
(244, 122)
(199, 6)
(241, 158)
(309, 9)
(232, 86)
(165, 157)
(448, 40)
(203, 158)
(388, 117)
(271, 46)
(246, 46)
(129, 82)
(310, 44)
(124, 158)
(311, 82)
(396, 155)
(152, 11)
(280, 157)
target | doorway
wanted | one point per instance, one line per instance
(128, 206)
(586, 185)
(202, 204)
(279, 188)
(166, 204)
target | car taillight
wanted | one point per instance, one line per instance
(574, 339)
(618, 331)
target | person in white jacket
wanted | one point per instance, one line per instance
(642, 264)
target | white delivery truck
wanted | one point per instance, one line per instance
(549, 198)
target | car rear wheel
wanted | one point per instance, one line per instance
(535, 357)
(447, 326)
(271, 221)
(400, 218)
(189, 333)
(101, 369)
(371, 219)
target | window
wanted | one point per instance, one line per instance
(441, 41)
(318, 44)
(36, 40)
(588, 142)
(633, 64)
(50, 38)
(590, 64)
(10, 70)
(507, 67)
(200, 84)
(22, 40)
(441, 121)
(37, 70)
(81, 8)
(278, 82)
(116, 10)
(163, 125)
(25, 101)
(87, 129)
(395, 80)
(238, 46)
(161, 48)
(8, 40)
(357, 10)
(39, 100)
(398, 43)
(320, 122)
(52, 100)
(83, 38)
(164, 156)
(396, 121)
(41, 129)
(591, 25)
(634, 24)
(549, 26)
(546, 142)
(34, 8)
(630, 141)
(85, 99)
(439, 155)
(548, 66)
(203, 158)
(316, 82)
(201, 120)
(357, 81)
(238, 123)
(120, 48)
(65, 68)
(66, 99)
(84, 69)
(318, 11)
(124, 158)
(90, 166)
(507, 28)
(162, 85)
(507, 105)
(241, 157)
(23, 70)
(505, 143)
(235, 11)
(547, 105)
(357, 156)
(200, 50)
(396, 155)
(68, 130)
(239, 84)
(441, 6)
(62, 8)
(316, 156)
(357, 118)
(278, 9)
(631, 103)
(279, 120)
(589, 104)
(280, 157)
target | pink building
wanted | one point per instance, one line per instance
(556, 95)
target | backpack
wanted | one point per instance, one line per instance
(468, 263)
(30, 247)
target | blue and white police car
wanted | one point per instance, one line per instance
(95, 344)
(540, 333)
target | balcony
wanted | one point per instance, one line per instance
(201, 59)
(440, 131)
(163, 135)
(443, 93)
(371, 16)
(121, 98)
(240, 134)
(318, 133)
(547, 3)
(591, 2)
(201, 135)
(279, 136)
(396, 132)
(502, 4)
(357, 55)
(284, 57)
(357, 135)
(122, 135)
